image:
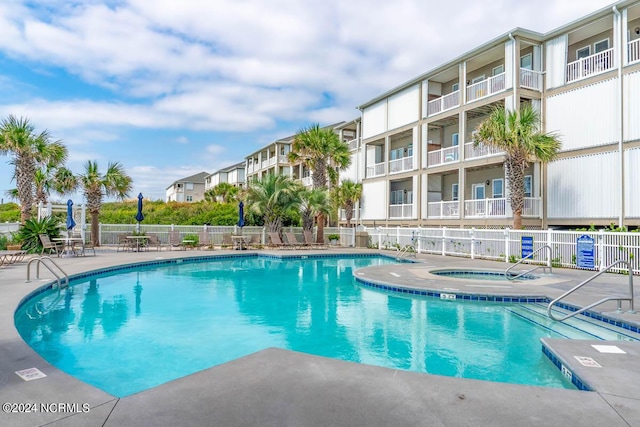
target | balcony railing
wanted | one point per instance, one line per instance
(283, 158)
(444, 155)
(500, 208)
(272, 161)
(590, 65)
(401, 165)
(376, 170)
(444, 103)
(343, 214)
(530, 79)
(401, 211)
(353, 144)
(449, 209)
(471, 152)
(264, 164)
(634, 51)
(307, 181)
(486, 87)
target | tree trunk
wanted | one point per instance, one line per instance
(320, 237)
(95, 229)
(517, 220)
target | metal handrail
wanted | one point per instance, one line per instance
(619, 309)
(41, 260)
(404, 251)
(543, 267)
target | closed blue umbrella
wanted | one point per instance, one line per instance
(70, 222)
(241, 215)
(139, 215)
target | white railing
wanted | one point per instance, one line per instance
(376, 170)
(442, 209)
(506, 245)
(353, 144)
(272, 161)
(485, 208)
(530, 79)
(264, 164)
(594, 64)
(343, 214)
(486, 87)
(283, 158)
(401, 165)
(532, 207)
(401, 211)
(307, 181)
(443, 103)
(481, 150)
(634, 51)
(444, 155)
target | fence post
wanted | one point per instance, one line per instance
(264, 236)
(419, 245)
(506, 245)
(398, 236)
(353, 237)
(473, 242)
(99, 234)
(601, 250)
(379, 239)
(549, 241)
(444, 241)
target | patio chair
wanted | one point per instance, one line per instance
(227, 241)
(308, 239)
(153, 241)
(124, 243)
(48, 245)
(82, 245)
(204, 240)
(292, 240)
(175, 240)
(276, 241)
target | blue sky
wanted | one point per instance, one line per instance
(170, 88)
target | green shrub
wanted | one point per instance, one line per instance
(29, 233)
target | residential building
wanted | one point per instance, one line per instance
(189, 189)
(417, 161)
(234, 175)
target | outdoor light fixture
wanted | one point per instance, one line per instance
(636, 30)
(488, 182)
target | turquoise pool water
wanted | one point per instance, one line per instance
(131, 330)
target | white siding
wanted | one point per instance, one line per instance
(556, 61)
(374, 119)
(351, 172)
(404, 107)
(374, 200)
(584, 117)
(584, 187)
(632, 183)
(632, 106)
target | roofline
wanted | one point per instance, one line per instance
(536, 36)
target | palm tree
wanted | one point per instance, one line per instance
(224, 190)
(517, 134)
(51, 178)
(313, 202)
(347, 194)
(114, 183)
(272, 197)
(29, 150)
(320, 150)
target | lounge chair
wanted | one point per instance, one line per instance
(81, 245)
(11, 257)
(292, 240)
(175, 240)
(204, 240)
(308, 239)
(227, 241)
(275, 240)
(48, 245)
(153, 241)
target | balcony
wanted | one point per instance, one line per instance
(486, 87)
(634, 51)
(481, 150)
(283, 158)
(353, 144)
(307, 181)
(401, 165)
(401, 211)
(590, 65)
(442, 156)
(442, 209)
(499, 208)
(378, 169)
(530, 79)
(443, 103)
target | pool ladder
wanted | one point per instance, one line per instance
(406, 251)
(619, 299)
(50, 265)
(543, 267)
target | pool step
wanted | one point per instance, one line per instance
(579, 327)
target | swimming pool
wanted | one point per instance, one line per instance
(480, 275)
(129, 330)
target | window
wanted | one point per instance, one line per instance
(455, 87)
(583, 52)
(410, 150)
(497, 70)
(528, 180)
(601, 46)
(526, 62)
(189, 198)
(498, 188)
(477, 79)
(478, 191)
(454, 192)
(454, 140)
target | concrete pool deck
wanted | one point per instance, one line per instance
(277, 387)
